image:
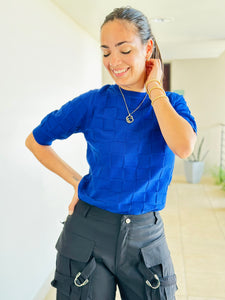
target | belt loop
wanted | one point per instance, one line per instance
(156, 219)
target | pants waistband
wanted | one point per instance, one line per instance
(87, 210)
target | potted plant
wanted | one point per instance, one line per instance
(219, 175)
(222, 177)
(194, 165)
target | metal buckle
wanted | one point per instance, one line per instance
(82, 284)
(154, 287)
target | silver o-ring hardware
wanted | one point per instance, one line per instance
(82, 284)
(154, 286)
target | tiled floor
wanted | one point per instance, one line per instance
(195, 228)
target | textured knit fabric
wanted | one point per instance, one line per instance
(131, 165)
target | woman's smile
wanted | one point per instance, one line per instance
(120, 72)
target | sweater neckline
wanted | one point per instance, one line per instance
(130, 94)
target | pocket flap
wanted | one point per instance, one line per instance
(74, 246)
(155, 253)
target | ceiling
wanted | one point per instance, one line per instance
(197, 29)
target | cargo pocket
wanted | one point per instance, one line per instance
(75, 266)
(156, 267)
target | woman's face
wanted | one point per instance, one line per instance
(124, 55)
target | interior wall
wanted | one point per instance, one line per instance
(203, 82)
(46, 60)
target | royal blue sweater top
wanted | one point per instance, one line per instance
(131, 165)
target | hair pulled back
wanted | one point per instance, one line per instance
(141, 23)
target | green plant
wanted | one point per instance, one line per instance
(222, 177)
(198, 156)
(219, 175)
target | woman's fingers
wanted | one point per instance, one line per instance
(154, 69)
(73, 203)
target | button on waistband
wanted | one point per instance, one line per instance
(128, 221)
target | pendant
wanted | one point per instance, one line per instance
(129, 119)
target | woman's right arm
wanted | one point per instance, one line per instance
(50, 159)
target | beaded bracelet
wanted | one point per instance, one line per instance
(162, 96)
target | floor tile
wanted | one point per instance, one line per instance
(181, 297)
(176, 254)
(196, 219)
(201, 223)
(181, 283)
(206, 284)
(51, 294)
(204, 256)
(171, 226)
(200, 298)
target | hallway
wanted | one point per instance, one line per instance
(195, 228)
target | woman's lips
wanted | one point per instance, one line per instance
(120, 72)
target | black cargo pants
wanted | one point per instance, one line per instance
(98, 250)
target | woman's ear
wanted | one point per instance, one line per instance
(149, 49)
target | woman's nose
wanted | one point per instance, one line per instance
(114, 60)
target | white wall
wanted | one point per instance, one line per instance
(203, 81)
(46, 60)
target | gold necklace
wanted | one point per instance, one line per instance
(129, 117)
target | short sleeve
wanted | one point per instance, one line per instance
(71, 118)
(179, 104)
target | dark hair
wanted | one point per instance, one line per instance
(141, 23)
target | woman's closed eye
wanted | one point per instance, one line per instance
(126, 52)
(123, 52)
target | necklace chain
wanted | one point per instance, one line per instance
(130, 118)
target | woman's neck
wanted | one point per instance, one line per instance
(135, 88)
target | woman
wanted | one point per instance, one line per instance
(114, 234)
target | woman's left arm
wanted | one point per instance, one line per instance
(177, 132)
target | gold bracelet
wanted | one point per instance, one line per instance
(155, 87)
(162, 96)
(152, 80)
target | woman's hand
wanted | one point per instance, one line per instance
(74, 200)
(153, 70)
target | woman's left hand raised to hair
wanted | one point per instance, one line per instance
(153, 70)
